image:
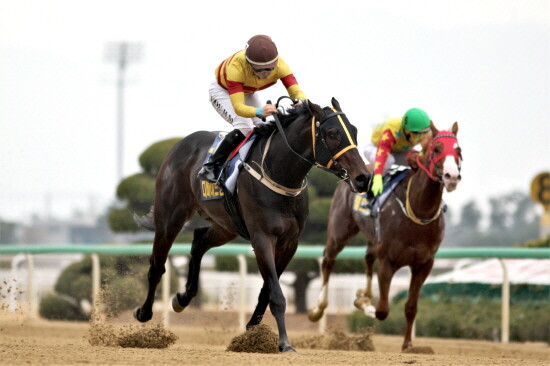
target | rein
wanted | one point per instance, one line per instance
(407, 208)
(315, 132)
(450, 151)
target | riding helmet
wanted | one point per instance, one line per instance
(261, 51)
(416, 120)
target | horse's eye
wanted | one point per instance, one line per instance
(333, 138)
(438, 149)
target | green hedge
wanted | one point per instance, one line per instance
(463, 319)
(123, 283)
(56, 307)
(476, 292)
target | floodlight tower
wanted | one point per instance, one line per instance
(122, 54)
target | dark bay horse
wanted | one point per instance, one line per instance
(274, 208)
(411, 228)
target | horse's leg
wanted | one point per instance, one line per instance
(364, 297)
(261, 306)
(341, 228)
(263, 247)
(385, 274)
(419, 275)
(263, 298)
(369, 262)
(164, 237)
(204, 238)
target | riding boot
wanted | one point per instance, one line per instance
(230, 142)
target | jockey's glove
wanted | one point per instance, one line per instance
(377, 184)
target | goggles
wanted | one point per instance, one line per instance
(262, 70)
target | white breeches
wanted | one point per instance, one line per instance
(219, 97)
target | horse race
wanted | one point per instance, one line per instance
(364, 184)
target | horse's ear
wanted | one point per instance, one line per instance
(316, 111)
(335, 104)
(433, 128)
(454, 129)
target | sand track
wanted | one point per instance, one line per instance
(205, 337)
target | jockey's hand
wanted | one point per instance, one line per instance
(377, 184)
(268, 110)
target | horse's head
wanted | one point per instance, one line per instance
(335, 145)
(441, 157)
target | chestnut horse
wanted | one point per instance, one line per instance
(272, 200)
(409, 231)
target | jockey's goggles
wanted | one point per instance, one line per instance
(421, 132)
(262, 70)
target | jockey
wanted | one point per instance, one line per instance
(391, 141)
(232, 94)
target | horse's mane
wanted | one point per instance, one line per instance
(286, 118)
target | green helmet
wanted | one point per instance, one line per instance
(416, 120)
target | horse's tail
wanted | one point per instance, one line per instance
(145, 222)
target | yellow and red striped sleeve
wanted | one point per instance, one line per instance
(384, 149)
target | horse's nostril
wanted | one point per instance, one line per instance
(447, 176)
(361, 182)
(361, 179)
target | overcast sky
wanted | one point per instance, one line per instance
(485, 64)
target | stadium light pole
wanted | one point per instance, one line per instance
(122, 54)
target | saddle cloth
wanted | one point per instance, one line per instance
(211, 191)
(391, 178)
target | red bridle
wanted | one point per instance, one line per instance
(449, 141)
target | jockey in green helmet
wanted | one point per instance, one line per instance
(391, 141)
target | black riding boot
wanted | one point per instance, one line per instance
(230, 142)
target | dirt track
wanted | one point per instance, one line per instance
(203, 338)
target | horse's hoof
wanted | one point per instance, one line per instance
(176, 304)
(361, 302)
(140, 316)
(314, 314)
(370, 311)
(287, 349)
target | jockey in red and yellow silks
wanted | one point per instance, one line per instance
(392, 140)
(237, 76)
(232, 94)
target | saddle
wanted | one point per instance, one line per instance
(368, 205)
(227, 181)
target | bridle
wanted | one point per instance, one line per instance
(449, 141)
(321, 150)
(318, 138)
